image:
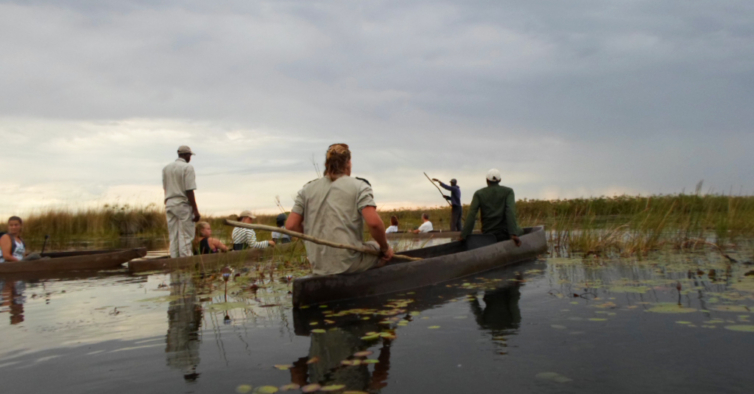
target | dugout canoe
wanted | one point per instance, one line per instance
(213, 261)
(86, 260)
(441, 263)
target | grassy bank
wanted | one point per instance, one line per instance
(623, 224)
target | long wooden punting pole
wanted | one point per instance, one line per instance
(309, 238)
(438, 189)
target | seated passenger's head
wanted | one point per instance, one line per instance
(337, 161)
(394, 220)
(14, 225)
(425, 217)
(247, 217)
(280, 220)
(493, 177)
(203, 230)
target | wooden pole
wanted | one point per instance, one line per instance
(438, 189)
(309, 238)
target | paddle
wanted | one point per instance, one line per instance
(438, 189)
(45, 243)
(309, 238)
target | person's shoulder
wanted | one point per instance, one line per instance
(363, 180)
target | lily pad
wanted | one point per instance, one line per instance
(670, 308)
(597, 319)
(313, 360)
(731, 308)
(310, 388)
(291, 386)
(244, 388)
(283, 367)
(370, 361)
(741, 328)
(333, 387)
(266, 390)
(318, 331)
(683, 322)
(226, 306)
(553, 377)
(558, 327)
(363, 353)
(370, 337)
(433, 327)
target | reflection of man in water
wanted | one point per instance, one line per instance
(501, 311)
(12, 296)
(334, 346)
(184, 321)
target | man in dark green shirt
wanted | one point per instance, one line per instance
(498, 205)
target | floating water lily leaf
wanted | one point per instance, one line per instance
(741, 328)
(329, 322)
(323, 306)
(313, 360)
(370, 337)
(387, 335)
(310, 388)
(558, 326)
(291, 386)
(370, 361)
(415, 313)
(351, 362)
(553, 377)
(319, 331)
(244, 388)
(597, 319)
(670, 308)
(460, 317)
(731, 308)
(683, 322)
(226, 306)
(355, 392)
(433, 327)
(284, 367)
(363, 353)
(333, 387)
(266, 390)
(314, 323)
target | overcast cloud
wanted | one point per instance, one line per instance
(566, 98)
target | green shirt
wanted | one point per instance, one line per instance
(498, 205)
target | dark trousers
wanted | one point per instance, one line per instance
(456, 212)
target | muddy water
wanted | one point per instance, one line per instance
(677, 323)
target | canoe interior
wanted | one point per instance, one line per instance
(54, 255)
(440, 263)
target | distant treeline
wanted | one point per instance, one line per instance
(688, 216)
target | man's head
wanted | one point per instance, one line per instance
(453, 182)
(280, 220)
(493, 176)
(185, 153)
(337, 161)
(425, 217)
(247, 217)
(14, 225)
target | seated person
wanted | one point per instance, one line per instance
(336, 207)
(279, 237)
(426, 226)
(393, 225)
(204, 242)
(12, 247)
(246, 238)
(498, 206)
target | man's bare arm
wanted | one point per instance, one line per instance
(377, 230)
(295, 222)
(5, 246)
(192, 202)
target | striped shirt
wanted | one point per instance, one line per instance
(247, 237)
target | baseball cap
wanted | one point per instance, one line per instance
(184, 149)
(247, 214)
(493, 175)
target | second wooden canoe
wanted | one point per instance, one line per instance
(74, 261)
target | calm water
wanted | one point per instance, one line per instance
(557, 325)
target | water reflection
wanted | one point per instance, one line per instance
(184, 323)
(12, 296)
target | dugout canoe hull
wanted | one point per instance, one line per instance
(212, 261)
(441, 263)
(89, 260)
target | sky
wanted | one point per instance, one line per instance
(566, 98)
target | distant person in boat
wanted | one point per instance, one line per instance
(246, 238)
(456, 210)
(179, 183)
(393, 225)
(204, 243)
(12, 246)
(335, 207)
(426, 226)
(280, 237)
(498, 206)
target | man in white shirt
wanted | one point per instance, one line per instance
(426, 226)
(179, 183)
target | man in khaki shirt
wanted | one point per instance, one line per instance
(179, 183)
(335, 208)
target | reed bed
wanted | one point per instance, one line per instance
(624, 225)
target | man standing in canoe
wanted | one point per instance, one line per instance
(335, 208)
(456, 210)
(179, 183)
(498, 206)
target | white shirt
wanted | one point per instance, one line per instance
(391, 229)
(177, 178)
(426, 227)
(20, 249)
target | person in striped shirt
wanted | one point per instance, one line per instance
(246, 238)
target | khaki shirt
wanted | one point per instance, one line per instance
(332, 211)
(177, 178)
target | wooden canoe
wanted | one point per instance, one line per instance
(213, 261)
(441, 263)
(87, 260)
